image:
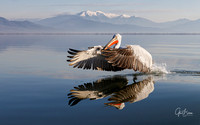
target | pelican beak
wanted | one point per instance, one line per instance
(116, 105)
(113, 41)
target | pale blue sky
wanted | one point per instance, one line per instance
(156, 10)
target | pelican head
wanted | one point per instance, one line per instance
(116, 40)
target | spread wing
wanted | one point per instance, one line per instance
(133, 57)
(96, 90)
(134, 92)
(90, 59)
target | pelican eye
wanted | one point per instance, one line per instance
(98, 48)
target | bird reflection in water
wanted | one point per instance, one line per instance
(116, 87)
(132, 93)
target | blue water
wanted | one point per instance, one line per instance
(35, 82)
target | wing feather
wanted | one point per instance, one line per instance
(91, 59)
(133, 57)
(134, 92)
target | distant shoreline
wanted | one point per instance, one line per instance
(63, 33)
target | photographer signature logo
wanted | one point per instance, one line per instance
(182, 112)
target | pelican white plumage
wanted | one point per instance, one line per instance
(112, 59)
(132, 93)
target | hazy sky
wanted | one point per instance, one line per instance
(156, 10)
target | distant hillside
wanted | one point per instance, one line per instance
(191, 26)
(100, 16)
(20, 26)
(98, 21)
(116, 19)
(76, 23)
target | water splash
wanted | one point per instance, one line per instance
(159, 68)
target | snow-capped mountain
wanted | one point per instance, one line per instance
(74, 23)
(96, 14)
(100, 16)
(89, 13)
(98, 21)
(115, 18)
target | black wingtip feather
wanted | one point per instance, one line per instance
(70, 56)
(75, 102)
(74, 50)
(71, 53)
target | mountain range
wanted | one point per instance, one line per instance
(19, 26)
(98, 21)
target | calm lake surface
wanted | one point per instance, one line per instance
(35, 83)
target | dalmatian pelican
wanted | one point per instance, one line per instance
(112, 57)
